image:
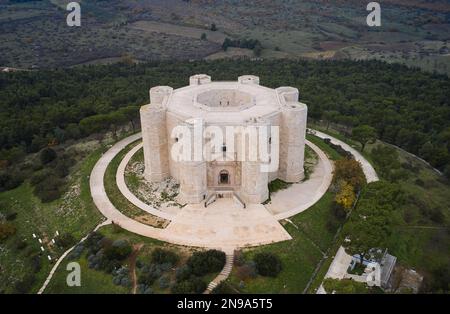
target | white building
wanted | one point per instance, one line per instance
(243, 103)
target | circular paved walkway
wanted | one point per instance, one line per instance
(225, 223)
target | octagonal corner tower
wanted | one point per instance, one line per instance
(252, 119)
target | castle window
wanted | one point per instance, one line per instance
(176, 139)
(224, 148)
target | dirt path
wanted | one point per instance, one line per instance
(132, 263)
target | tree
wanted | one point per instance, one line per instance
(162, 256)
(369, 225)
(387, 160)
(203, 36)
(349, 171)
(193, 285)
(330, 116)
(119, 250)
(267, 264)
(226, 43)
(116, 119)
(65, 241)
(213, 27)
(131, 113)
(257, 50)
(447, 171)
(364, 134)
(47, 155)
(210, 261)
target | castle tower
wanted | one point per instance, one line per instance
(292, 135)
(193, 173)
(199, 79)
(154, 135)
(254, 184)
(254, 188)
(248, 79)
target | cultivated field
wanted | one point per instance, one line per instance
(34, 34)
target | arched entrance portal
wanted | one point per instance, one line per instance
(224, 177)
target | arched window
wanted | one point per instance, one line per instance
(224, 177)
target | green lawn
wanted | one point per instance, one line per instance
(299, 256)
(92, 281)
(330, 152)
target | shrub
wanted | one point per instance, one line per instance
(339, 212)
(350, 171)
(223, 288)
(144, 289)
(447, 172)
(93, 242)
(193, 285)
(76, 252)
(437, 216)
(147, 279)
(20, 244)
(65, 240)
(36, 263)
(183, 273)
(346, 196)
(277, 185)
(267, 264)
(162, 256)
(47, 186)
(11, 216)
(332, 224)
(164, 282)
(206, 262)
(408, 215)
(24, 285)
(119, 250)
(47, 155)
(149, 274)
(9, 182)
(121, 277)
(7, 229)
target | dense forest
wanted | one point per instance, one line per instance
(407, 107)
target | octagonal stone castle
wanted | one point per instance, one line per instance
(222, 104)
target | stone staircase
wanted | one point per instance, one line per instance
(223, 274)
